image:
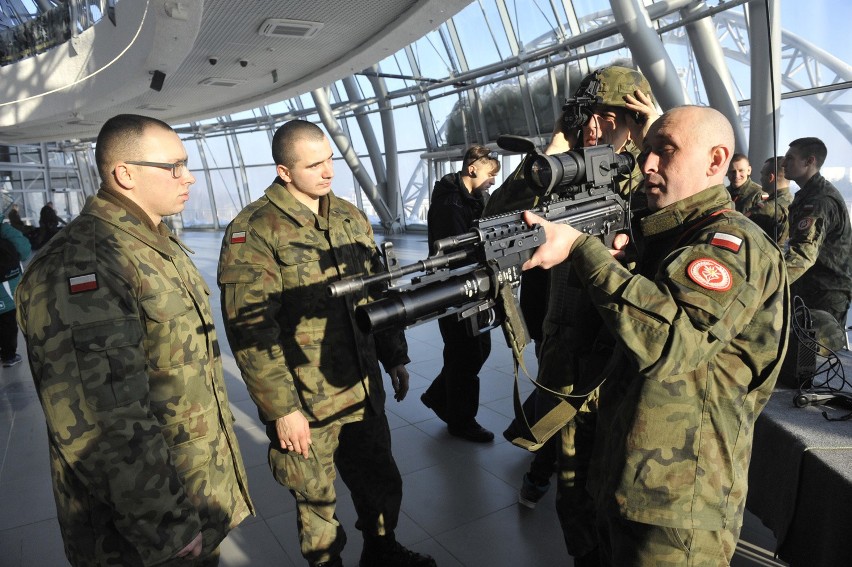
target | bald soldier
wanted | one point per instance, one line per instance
(145, 463)
(701, 328)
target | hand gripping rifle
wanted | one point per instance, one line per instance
(473, 275)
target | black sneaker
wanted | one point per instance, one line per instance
(471, 431)
(393, 555)
(531, 492)
(12, 361)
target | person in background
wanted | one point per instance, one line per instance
(772, 213)
(457, 200)
(314, 377)
(701, 323)
(743, 190)
(145, 463)
(819, 252)
(8, 284)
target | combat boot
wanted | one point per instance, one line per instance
(385, 551)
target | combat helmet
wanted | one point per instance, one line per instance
(605, 86)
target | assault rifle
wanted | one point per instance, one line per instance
(471, 275)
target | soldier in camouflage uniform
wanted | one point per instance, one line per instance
(314, 376)
(772, 214)
(743, 190)
(701, 327)
(819, 254)
(145, 463)
(575, 345)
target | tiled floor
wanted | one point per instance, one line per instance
(460, 499)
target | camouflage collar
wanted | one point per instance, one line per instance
(687, 210)
(302, 215)
(107, 208)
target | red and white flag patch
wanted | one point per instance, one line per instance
(238, 237)
(729, 241)
(710, 274)
(86, 282)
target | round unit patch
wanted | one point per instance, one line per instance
(805, 223)
(710, 274)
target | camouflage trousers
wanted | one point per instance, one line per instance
(835, 303)
(625, 543)
(361, 452)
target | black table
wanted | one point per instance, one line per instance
(800, 480)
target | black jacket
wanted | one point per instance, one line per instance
(453, 209)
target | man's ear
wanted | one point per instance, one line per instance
(283, 173)
(719, 157)
(124, 177)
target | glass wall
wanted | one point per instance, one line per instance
(497, 67)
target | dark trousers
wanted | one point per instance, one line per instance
(454, 393)
(8, 335)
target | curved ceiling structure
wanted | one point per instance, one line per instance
(264, 51)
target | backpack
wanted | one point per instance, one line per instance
(10, 260)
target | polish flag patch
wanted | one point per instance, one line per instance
(238, 237)
(728, 241)
(710, 274)
(86, 282)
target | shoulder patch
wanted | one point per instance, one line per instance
(238, 237)
(805, 223)
(85, 282)
(728, 241)
(710, 274)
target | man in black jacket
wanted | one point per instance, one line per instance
(458, 199)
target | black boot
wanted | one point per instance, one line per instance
(385, 551)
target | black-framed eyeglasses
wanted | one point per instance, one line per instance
(178, 168)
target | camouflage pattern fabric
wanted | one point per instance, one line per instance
(701, 330)
(772, 214)
(126, 363)
(819, 255)
(297, 347)
(638, 544)
(747, 197)
(300, 349)
(361, 451)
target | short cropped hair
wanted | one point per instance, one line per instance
(807, 147)
(119, 140)
(286, 137)
(476, 153)
(738, 157)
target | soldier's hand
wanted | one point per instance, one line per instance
(641, 103)
(399, 381)
(192, 550)
(559, 239)
(560, 142)
(294, 433)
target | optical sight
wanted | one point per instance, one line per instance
(576, 170)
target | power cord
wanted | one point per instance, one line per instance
(827, 383)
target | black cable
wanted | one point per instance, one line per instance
(827, 383)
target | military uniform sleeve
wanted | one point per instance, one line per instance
(251, 285)
(88, 361)
(807, 235)
(703, 297)
(391, 345)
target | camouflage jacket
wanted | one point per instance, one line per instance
(297, 347)
(701, 329)
(819, 255)
(126, 363)
(772, 214)
(748, 196)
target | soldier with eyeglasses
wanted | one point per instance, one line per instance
(145, 464)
